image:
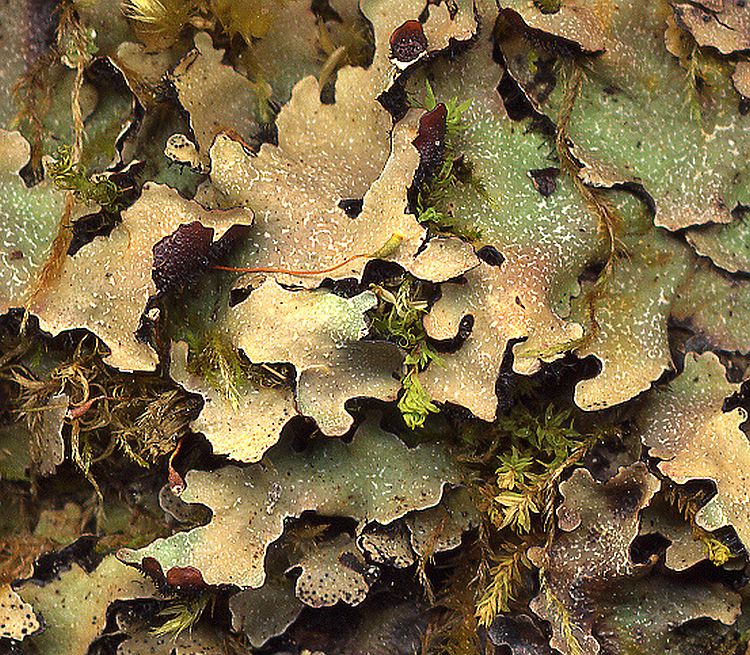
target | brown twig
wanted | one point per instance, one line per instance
(69, 24)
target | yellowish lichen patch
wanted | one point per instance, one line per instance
(318, 332)
(243, 430)
(374, 478)
(684, 425)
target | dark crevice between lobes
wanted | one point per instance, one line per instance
(395, 100)
(452, 345)
(490, 255)
(352, 207)
(50, 565)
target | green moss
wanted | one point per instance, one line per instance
(220, 364)
(217, 362)
(433, 198)
(69, 175)
(528, 453)
(562, 616)
(505, 578)
(687, 504)
(182, 614)
(541, 448)
(415, 403)
(398, 318)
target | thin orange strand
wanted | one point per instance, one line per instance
(287, 271)
(176, 482)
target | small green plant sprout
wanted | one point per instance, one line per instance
(533, 451)
(398, 318)
(454, 120)
(69, 175)
(217, 361)
(434, 194)
(505, 578)
(688, 504)
(415, 403)
(182, 614)
(716, 551)
(541, 449)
